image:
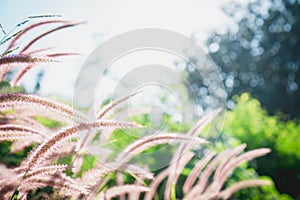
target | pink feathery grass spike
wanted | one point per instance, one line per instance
(47, 33)
(153, 140)
(202, 182)
(44, 170)
(26, 59)
(59, 181)
(104, 111)
(135, 195)
(45, 149)
(15, 39)
(228, 169)
(175, 172)
(208, 191)
(155, 183)
(241, 185)
(237, 150)
(18, 100)
(14, 132)
(178, 155)
(191, 179)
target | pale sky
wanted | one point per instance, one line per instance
(104, 20)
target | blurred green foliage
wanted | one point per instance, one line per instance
(247, 123)
(251, 124)
(50, 123)
(123, 138)
(6, 88)
(11, 159)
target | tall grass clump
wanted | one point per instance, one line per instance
(54, 164)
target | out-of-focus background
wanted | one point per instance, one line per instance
(255, 45)
(106, 19)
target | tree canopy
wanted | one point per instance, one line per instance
(260, 54)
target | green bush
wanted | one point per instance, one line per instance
(251, 124)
